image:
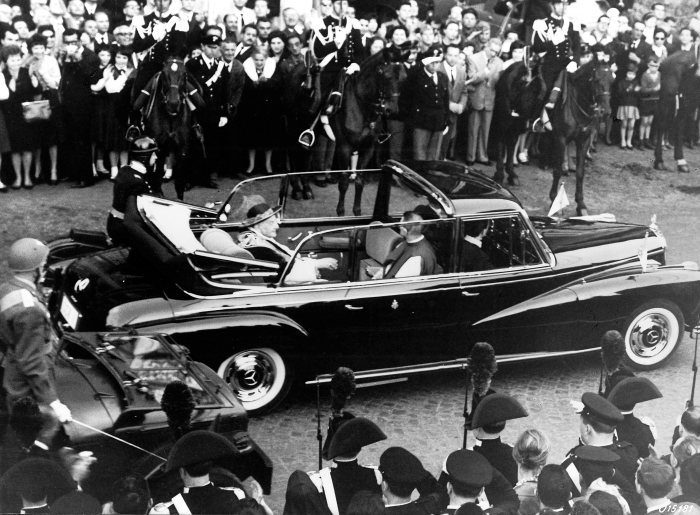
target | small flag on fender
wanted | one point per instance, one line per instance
(559, 203)
(642, 253)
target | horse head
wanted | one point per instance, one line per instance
(603, 79)
(172, 85)
(389, 75)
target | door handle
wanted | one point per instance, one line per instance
(353, 308)
(466, 293)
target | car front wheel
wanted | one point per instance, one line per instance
(260, 378)
(653, 332)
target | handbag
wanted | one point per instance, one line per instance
(36, 111)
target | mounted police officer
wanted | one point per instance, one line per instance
(129, 183)
(27, 338)
(157, 36)
(558, 38)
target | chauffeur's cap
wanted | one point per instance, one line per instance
(631, 391)
(198, 447)
(600, 409)
(400, 466)
(211, 40)
(593, 462)
(495, 409)
(468, 468)
(353, 435)
(432, 55)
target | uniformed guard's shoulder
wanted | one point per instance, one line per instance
(17, 298)
(161, 508)
(248, 239)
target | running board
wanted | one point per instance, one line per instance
(460, 363)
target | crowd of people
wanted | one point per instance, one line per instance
(71, 75)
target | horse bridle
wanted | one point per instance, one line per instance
(381, 109)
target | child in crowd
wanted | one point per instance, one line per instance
(650, 84)
(627, 109)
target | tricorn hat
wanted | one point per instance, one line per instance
(353, 435)
(197, 447)
(632, 390)
(496, 408)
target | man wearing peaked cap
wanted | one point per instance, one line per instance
(598, 420)
(625, 395)
(488, 422)
(402, 473)
(587, 463)
(338, 484)
(193, 456)
(425, 100)
(470, 478)
(32, 485)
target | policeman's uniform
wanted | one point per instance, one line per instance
(198, 447)
(559, 39)
(333, 60)
(603, 411)
(212, 76)
(625, 395)
(174, 44)
(337, 485)
(490, 419)
(29, 342)
(129, 182)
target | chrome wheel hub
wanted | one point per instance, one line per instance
(251, 375)
(650, 335)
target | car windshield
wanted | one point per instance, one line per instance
(156, 364)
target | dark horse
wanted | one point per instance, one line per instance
(166, 105)
(574, 119)
(370, 96)
(519, 92)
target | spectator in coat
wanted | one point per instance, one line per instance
(484, 69)
(456, 77)
(425, 101)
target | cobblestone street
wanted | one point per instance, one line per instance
(424, 414)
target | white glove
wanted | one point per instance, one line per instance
(62, 412)
(340, 37)
(222, 121)
(558, 36)
(571, 67)
(539, 26)
(353, 68)
(158, 32)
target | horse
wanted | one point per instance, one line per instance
(518, 93)
(574, 118)
(166, 105)
(370, 96)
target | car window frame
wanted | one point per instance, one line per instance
(347, 284)
(544, 253)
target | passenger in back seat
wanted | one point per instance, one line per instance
(412, 257)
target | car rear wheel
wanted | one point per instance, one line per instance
(260, 378)
(653, 332)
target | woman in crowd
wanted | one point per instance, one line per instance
(627, 109)
(659, 44)
(44, 66)
(530, 452)
(101, 109)
(24, 139)
(376, 45)
(278, 46)
(118, 80)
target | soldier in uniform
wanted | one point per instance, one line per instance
(263, 222)
(158, 35)
(599, 418)
(625, 395)
(402, 473)
(337, 45)
(193, 457)
(27, 338)
(338, 484)
(129, 183)
(488, 422)
(559, 39)
(470, 478)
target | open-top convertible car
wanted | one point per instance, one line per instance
(549, 288)
(113, 382)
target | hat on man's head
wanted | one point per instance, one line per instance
(76, 503)
(353, 435)
(198, 447)
(211, 40)
(259, 213)
(495, 409)
(33, 478)
(631, 391)
(600, 409)
(400, 466)
(594, 462)
(468, 468)
(432, 55)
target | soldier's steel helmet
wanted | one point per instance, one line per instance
(27, 254)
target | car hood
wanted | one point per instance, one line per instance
(573, 234)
